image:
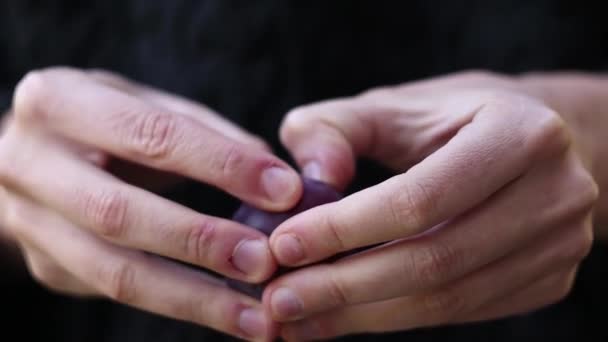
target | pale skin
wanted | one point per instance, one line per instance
(489, 215)
(498, 185)
(84, 230)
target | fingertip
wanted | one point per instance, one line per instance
(332, 166)
(282, 186)
(287, 249)
(254, 259)
(337, 177)
(255, 324)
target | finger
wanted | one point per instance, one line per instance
(558, 253)
(178, 104)
(396, 126)
(381, 317)
(551, 290)
(144, 282)
(446, 184)
(132, 129)
(135, 218)
(414, 266)
(325, 140)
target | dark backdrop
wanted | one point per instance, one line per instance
(252, 61)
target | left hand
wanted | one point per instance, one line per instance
(490, 218)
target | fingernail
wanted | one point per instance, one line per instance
(285, 303)
(250, 256)
(289, 249)
(279, 183)
(312, 170)
(252, 322)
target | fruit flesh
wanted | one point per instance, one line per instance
(315, 193)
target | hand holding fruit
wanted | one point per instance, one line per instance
(489, 214)
(90, 229)
(315, 193)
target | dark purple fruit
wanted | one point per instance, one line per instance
(315, 193)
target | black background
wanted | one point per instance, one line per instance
(254, 60)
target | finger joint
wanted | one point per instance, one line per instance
(337, 290)
(433, 265)
(444, 306)
(200, 240)
(106, 211)
(153, 135)
(118, 280)
(31, 92)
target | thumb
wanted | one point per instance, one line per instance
(326, 138)
(397, 127)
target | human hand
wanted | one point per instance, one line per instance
(87, 231)
(490, 217)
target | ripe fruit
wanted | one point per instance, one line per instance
(315, 193)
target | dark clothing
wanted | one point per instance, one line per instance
(254, 60)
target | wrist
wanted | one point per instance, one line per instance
(582, 101)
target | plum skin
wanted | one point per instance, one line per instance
(315, 193)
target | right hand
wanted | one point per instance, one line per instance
(87, 231)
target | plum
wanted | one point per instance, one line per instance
(315, 193)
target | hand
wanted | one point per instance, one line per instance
(489, 217)
(87, 231)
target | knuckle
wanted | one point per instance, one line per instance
(153, 135)
(106, 211)
(110, 79)
(410, 205)
(561, 291)
(31, 92)
(215, 310)
(577, 189)
(587, 189)
(580, 246)
(118, 281)
(199, 242)
(17, 154)
(476, 76)
(443, 306)
(102, 75)
(337, 291)
(15, 218)
(378, 92)
(335, 233)
(501, 102)
(230, 162)
(433, 265)
(549, 133)
(190, 310)
(297, 116)
(295, 122)
(47, 274)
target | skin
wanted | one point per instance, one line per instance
(498, 184)
(82, 158)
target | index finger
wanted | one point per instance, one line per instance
(496, 147)
(71, 104)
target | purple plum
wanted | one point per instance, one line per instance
(315, 193)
